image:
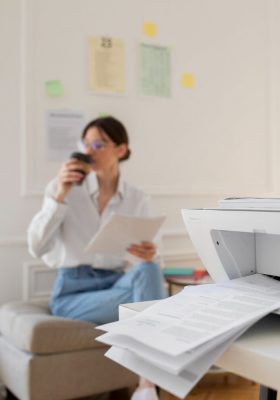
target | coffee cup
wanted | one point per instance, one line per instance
(84, 158)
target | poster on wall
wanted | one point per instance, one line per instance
(64, 130)
(155, 70)
(106, 65)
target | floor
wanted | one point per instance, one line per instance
(219, 386)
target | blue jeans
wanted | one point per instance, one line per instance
(94, 295)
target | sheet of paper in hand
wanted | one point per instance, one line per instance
(120, 231)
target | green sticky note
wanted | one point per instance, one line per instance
(103, 114)
(54, 88)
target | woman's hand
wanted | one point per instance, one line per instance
(68, 175)
(145, 250)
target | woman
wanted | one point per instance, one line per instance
(77, 202)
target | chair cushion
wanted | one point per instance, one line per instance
(30, 327)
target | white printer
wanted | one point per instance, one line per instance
(236, 242)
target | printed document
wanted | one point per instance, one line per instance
(180, 384)
(120, 231)
(174, 342)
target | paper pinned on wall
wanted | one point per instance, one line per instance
(63, 130)
(149, 29)
(106, 65)
(54, 88)
(187, 80)
(155, 70)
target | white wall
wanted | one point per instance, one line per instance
(218, 139)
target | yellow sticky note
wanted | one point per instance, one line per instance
(187, 80)
(54, 88)
(103, 114)
(150, 29)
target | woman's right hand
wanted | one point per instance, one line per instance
(68, 175)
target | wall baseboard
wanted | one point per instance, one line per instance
(37, 280)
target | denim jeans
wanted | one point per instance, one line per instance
(93, 295)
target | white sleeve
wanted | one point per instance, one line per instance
(44, 229)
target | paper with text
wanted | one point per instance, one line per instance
(199, 314)
(179, 385)
(106, 65)
(155, 70)
(63, 129)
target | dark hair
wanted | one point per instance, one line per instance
(114, 129)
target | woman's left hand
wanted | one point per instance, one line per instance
(145, 250)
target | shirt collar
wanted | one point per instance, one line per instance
(92, 184)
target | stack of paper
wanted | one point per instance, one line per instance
(186, 276)
(259, 203)
(174, 342)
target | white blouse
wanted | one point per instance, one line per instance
(60, 232)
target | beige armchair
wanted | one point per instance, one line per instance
(43, 357)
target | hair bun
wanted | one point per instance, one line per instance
(126, 156)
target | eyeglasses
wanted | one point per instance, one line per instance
(95, 145)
